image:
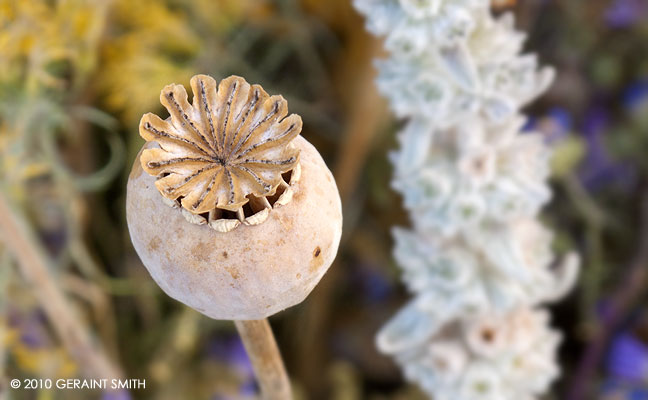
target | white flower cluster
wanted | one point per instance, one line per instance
(477, 260)
(491, 356)
(456, 177)
(496, 267)
(451, 59)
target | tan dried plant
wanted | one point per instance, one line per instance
(230, 147)
(233, 160)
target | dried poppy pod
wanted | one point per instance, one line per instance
(230, 210)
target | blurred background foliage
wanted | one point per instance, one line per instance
(76, 76)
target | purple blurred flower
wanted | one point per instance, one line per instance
(598, 169)
(628, 358)
(636, 95)
(231, 351)
(242, 394)
(617, 390)
(30, 324)
(562, 117)
(373, 285)
(604, 310)
(248, 389)
(638, 394)
(554, 126)
(625, 13)
(120, 395)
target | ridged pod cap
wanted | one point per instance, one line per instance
(231, 211)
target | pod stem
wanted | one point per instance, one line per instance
(266, 360)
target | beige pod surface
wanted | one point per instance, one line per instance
(252, 271)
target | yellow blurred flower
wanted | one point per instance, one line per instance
(152, 44)
(51, 362)
(142, 54)
(35, 34)
(47, 362)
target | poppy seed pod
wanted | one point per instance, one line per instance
(231, 211)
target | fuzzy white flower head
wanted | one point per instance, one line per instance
(519, 249)
(382, 15)
(495, 48)
(408, 39)
(480, 382)
(452, 180)
(523, 170)
(519, 258)
(566, 271)
(495, 39)
(419, 9)
(448, 358)
(453, 25)
(426, 265)
(517, 81)
(411, 92)
(466, 210)
(437, 367)
(414, 141)
(410, 328)
(485, 336)
(480, 165)
(501, 265)
(531, 366)
(461, 41)
(494, 356)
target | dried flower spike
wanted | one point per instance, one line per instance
(229, 148)
(473, 183)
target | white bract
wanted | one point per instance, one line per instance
(476, 258)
